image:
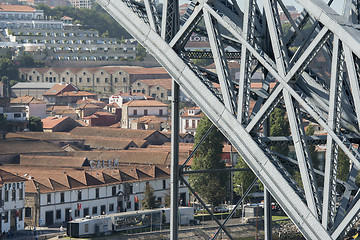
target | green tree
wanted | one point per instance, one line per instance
(242, 179)
(211, 186)
(27, 60)
(141, 51)
(35, 124)
(8, 69)
(343, 166)
(149, 201)
(279, 126)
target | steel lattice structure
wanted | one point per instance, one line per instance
(256, 33)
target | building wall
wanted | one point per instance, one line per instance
(11, 206)
(129, 116)
(37, 110)
(89, 200)
(160, 93)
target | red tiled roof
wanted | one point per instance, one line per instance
(26, 100)
(58, 88)
(15, 8)
(51, 122)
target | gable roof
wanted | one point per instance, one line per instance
(148, 119)
(51, 122)
(22, 146)
(53, 161)
(49, 179)
(59, 88)
(113, 132)
(26, 100)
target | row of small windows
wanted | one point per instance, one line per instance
(53, 79)
(79, 194)
(14, 193)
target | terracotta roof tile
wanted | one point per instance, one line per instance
(113, 132)
(15, 8)
(51, 122)
(54, 161)
(26, 100)
(58, 88)
(22, 146)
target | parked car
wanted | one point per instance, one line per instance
(221, 209)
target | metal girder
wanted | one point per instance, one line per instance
(329, 202)
(331, 103)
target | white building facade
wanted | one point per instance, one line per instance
(12, 202)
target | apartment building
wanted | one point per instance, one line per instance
(59, 39)
(25, 17)
(104, 187)
(189, 120)
(133, 110)
(159, 89)
(12, 201)
(104, 80)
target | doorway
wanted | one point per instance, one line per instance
(49, 218)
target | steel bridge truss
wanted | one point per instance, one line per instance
(329, 98)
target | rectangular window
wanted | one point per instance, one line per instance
(103, 209)
(63, 79)
(86, 228)
(54, 79)
(46, 79)
(97, 80)
(6, 195)
(162, 95)
(186, 123)
(80, 79)
(28, 212)
(116, 79)
(71, 79)
(21, 194)
(86, 212)
(62, 197)
(193, 124)
(106, 80)
(13, 195)
(124, 79)
(21, 214)
(79, 195)
(88, 79)
(49, 198)
(97, 193)
(135, 112)
(160, 112)
(113, 190)
(128, 205)
(145, 112)
(6, 217)
(58, 214)
(77, 212)
(164, 184)
(30, 78)
(37, 78)
(111, 207)
(94, 210)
